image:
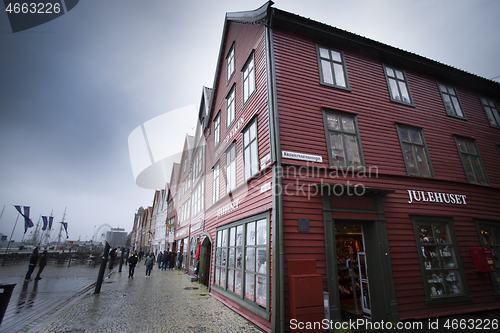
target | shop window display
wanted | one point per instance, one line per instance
(244, 248)
(438, 252)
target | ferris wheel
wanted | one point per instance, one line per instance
(100, 234)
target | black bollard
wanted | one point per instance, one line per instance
(121, 260)
(102, 269)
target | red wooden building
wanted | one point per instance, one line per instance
(374, 167)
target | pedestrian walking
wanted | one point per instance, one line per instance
(172, 260)
(165, 260)
(149, 262)
(41, 264)
(132, 261)
(159, 259)
(112, 256)
(32, 264)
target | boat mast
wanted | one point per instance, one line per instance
(60, 228)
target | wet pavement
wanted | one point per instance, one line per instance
(36, 301)
(64, 301)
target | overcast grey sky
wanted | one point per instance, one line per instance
(73, 89)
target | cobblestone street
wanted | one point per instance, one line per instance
(164, 302)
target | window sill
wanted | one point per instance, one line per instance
(250, 306)
(403, 103)
(334, 86)
(448, 300)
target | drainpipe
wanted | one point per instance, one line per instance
(278, 298)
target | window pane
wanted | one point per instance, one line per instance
(230, 279)
(415, 136)
(224, 238)
(448, 105)
(251, 233)
(442, 87)
(394, 89)
(324, 53)
(237, 282)
(389, 72)
(348, 124)
(239, 235)
(403, 132)
(353, 151)
(336, 56)
(218, 252)
(339, 75)
(261, 290)
(468, 169)
(461, 145)
(337, 149)
(478, 168)
(399, 74)
(333, 122)
(410, 159)
(262, 260)
(239, 257)
(250, 259)
(261, 232)
(456, 104)
(404, 91)
(232, 237)
(327, 71)
(250, 286)
(231, 258)
(471, 147)
(223, 277)
(422, 161)
(426, 234)
(217, 276)
(223, 257)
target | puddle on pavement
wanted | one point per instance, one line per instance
(190, 288)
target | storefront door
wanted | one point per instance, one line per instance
(354, 297)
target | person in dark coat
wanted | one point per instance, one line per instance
(165, 260)
(112, 256)
(33, 261)
(132, 261)
(159, 259)
(172, 260)
(41, 264)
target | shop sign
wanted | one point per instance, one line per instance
(228, 208)
(196, 226)
(439, 197)
(266, 187)
(302, 157)
(181, 232)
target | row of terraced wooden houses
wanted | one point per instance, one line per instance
(321, 155)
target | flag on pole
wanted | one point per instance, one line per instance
(27, 221)
(51, 218)
(65, 225)
(45, 222)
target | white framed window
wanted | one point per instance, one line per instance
(332, 68)
(242, 262)
(231, 168)
(217, 130)
(230, 113)
(491, 110)
(215, 183)
(230, 63)
(398, 85)
(250, 150)
(450, 100)
(248, 78)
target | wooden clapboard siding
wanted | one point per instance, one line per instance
(301, 97)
